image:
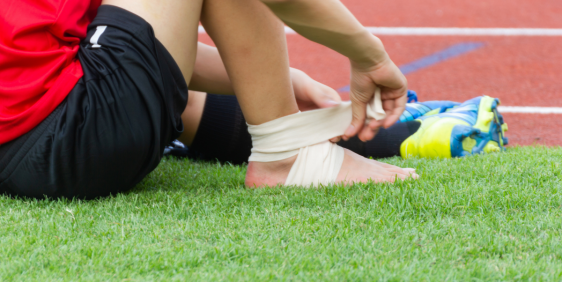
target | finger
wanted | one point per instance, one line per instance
(324, 96)
(359, 100)
(335, 139)
(330, 93)
(394, 109)
(392, 118)
(367, 134)
(375, 124)
(359, 111)
(388, 106)
(370, 130)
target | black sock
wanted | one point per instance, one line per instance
(386, 143)
(223, 134)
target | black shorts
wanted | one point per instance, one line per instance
(111, 130)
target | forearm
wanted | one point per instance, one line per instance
(330, 23)
(209, 73)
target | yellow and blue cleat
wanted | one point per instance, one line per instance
(419, 109)
(449, 131)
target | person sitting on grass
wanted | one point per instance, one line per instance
(92, 91)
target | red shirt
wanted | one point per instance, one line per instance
(38, 66)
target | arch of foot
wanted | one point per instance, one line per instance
(306, 134)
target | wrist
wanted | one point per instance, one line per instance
(370, 51)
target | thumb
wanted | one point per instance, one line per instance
(361, 92)
(359, 112)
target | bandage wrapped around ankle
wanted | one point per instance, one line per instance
(306, 134)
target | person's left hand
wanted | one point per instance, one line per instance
(311, 94)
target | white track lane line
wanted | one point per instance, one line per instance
(456, 31)
(530, 110)
(453, 31)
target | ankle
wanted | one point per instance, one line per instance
(261, 174)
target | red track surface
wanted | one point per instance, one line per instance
(521, 71)
(458, 13)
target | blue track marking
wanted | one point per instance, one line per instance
(435, 58)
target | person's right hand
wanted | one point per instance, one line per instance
(364, 80)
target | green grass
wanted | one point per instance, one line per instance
(487, 217)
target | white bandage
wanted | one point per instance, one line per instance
(306, 134)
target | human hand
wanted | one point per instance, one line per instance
(311, 94)
(364, 80)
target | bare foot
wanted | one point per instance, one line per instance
(355, 168)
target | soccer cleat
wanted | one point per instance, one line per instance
(412, 96)
(178, 149)
(418, 109)
(472, 127)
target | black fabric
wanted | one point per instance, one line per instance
(8, 150)
(223, 135)
(387, 141)
(355, 145)
(20, 145)
(110, 131)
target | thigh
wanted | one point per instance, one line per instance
(175, 24)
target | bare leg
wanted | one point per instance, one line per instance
(175, 25)
(192, 115)
(251, 42)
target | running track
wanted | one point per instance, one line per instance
(523, 69)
